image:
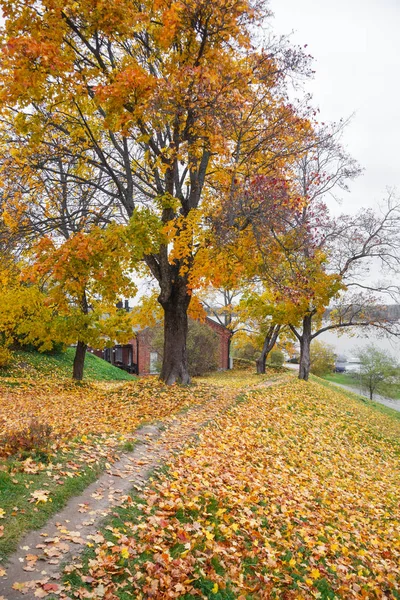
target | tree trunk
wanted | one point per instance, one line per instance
(260, 363)
(269, 343)
(79, 361)
(305, 343)
(175, 363)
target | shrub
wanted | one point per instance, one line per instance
(202, 347)
(6, 357)
(243, 364)
(276, 358)
(322, 358)
(246, 351)
(33, 440)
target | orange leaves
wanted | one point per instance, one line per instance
(92, 409)
(84, 277)
(132, 87)
(292, 493)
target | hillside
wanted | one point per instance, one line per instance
(36, 365)
(293, 493)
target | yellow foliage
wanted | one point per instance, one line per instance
(6, 356)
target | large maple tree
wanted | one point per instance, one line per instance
(167, 102)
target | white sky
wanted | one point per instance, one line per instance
(356, 50)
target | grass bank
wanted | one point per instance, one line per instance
(37, 365)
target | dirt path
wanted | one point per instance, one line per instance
(34, 570)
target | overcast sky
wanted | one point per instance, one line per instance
(356, 50)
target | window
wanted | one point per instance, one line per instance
(154, 362)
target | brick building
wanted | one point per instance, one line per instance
(140, 357)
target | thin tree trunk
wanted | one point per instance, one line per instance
(269, 343)
(79, 361)
(80, 352)
(175, 363)
(305, 343)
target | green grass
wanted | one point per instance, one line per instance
(353, 380)
(343, 378)
(21, 515)
(38, 365)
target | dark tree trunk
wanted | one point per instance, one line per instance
(269, 343)
(305, 343)
(175, 363)
(79, 361)
(261, 362)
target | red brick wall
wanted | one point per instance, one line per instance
(144, 349)
(224, 336)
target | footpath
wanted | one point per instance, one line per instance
(34, 570)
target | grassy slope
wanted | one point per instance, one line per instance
(36, 365)
(344, 378)
(291, 494)
(352, 380)
(90, 424)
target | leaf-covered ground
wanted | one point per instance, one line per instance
(88, 426)
(102, 408)
(293, 493)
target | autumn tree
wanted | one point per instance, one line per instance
(26, 316)
(157, 100)
(83, 278)
(81, 263)
(221, 304)
(306, 257)
(261, 320)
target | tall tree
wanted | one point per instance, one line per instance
(352, 245)
(308, 259)
(149, 95)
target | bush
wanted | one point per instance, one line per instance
(379, 371)
(246, 351)
(6, 357)
(243, 364)
(276, 358)
(322, 358)
(33, 440)
(202, 347)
